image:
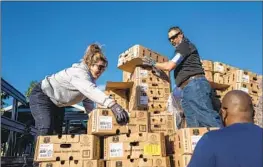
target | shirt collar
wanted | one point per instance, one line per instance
(88, 70)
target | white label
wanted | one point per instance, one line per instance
(195, 139)
(245, 78)
(144, 100)
(220, 68)
(45, 151)
(244, 89)
(143, 73)
(144, 87)
(116, 149)
(105, 122)
(120, 61)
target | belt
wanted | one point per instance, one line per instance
(189, 79)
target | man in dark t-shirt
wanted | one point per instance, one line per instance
(189, 76)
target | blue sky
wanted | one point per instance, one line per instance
(41, 38)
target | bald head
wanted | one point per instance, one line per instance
(237, 107)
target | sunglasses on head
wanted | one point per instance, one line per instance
(174, 36)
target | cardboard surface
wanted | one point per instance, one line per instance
(181, 160)
(77, 147)
(135, 145)
(131, 58)
(118, 85)
(103, 122)
(207, 65)
(86, 163)
(146, 162)
(187, 138)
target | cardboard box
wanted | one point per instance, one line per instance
(219, 67)
(136, 145)
(120, 92)
(253, 77)
(254, 98)
(126, 76)
(67, 147)
(218, 78)
(122, 163)
(120, 96)
(154, 162)
(130, 58)
(251, 88)
(209, 75)
(230, 77)
(103, 122)
(242, 76)
(169, 143)
(142, 103)
(254, 88)
(146, 162)
(187, 138)
(207, 65)
(148, 75)
(76, 163)
(162, 122)
(139, 121)
(148, 99)
(181, 160)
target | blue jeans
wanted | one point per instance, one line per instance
(197, 104)
(48, 117)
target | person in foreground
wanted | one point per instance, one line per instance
(189, 77)
(71, 86)
(238, 144)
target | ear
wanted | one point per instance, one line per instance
(222, 112)
(181, 35)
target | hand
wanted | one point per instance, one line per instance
(157, 71)
(120, 114)
(148, 61)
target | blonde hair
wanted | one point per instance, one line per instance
(93, 54)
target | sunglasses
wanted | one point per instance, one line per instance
(100, 67)
(174, 36)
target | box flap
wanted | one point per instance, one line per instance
(218, 86)
(130, 65)
(118, 85)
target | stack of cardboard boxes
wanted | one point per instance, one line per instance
(142, 142)
(150, 138)
(185, 141)
(68, 151)
(233, 78)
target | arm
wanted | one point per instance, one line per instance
(81, 81)
(182, 51)
(88, 105)
(203, 155)
(166, 66)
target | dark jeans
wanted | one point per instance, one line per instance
(197, 104)
(48, 117)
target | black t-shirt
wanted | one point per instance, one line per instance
(190, 65)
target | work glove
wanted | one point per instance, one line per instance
(157, 71)
(148, 61)
(120, 114)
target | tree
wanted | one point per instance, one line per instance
(3, 97)
(31, 86)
